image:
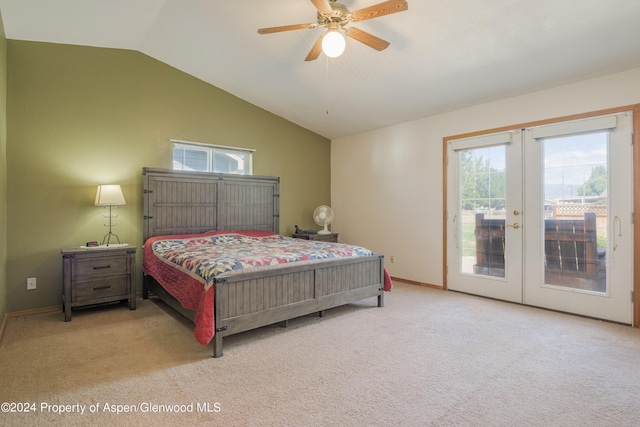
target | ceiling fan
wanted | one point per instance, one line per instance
(335, 16)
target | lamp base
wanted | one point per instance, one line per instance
(107, 238)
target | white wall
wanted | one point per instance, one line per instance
(386, 185)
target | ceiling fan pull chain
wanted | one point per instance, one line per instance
(326, 93)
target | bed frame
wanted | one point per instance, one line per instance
(177, 202)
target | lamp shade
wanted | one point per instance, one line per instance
(109, 195)
(333, 44)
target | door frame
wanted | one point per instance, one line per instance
(635, 109)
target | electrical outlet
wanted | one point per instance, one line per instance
(31, 283)
(392, 259)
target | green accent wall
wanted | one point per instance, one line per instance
(82, 116)
(3, 173)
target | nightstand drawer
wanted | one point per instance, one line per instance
(101, 288)
(101, 266)
(98, 275)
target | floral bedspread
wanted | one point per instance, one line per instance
(186, 265)
(206, 257)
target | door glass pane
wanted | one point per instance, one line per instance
(575, 211)
(482, 211)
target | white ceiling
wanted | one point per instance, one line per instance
(444, 54)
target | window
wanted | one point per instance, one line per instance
(192, 156)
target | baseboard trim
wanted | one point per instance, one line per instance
(2, 327)
(33, 311)
(42, 310)
(413, 282)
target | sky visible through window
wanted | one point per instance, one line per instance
(570, 161)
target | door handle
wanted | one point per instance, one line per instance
(514, 225)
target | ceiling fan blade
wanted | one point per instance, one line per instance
(380, 9)
(286, 28)
(323, 6)
(314, 53)
(367, 38)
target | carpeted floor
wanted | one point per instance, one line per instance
(428, 358)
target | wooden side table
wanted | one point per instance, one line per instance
(331, 237)
(98, 275)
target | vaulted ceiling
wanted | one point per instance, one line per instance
(444, 54)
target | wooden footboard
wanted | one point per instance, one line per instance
(262, 298)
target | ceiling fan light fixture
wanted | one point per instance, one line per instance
(333, 44)
(335, 17)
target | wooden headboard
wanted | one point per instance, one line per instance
(177, 202)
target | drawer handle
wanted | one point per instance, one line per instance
(97, 288)
(99, 267)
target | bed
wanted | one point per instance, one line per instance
(187, 207)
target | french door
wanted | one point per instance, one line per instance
(542, 216)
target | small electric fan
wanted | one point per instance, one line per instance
(323, 215)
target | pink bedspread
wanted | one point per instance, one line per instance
(186, 265)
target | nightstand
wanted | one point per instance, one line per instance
(331, 237)
(98, 275)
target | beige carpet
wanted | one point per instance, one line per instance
(428, 358)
